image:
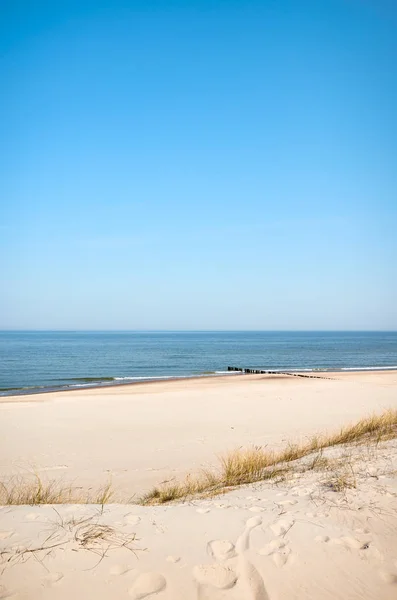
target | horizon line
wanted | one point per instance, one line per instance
(71, 330)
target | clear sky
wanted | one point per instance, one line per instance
(198, 164)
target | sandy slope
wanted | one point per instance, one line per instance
(142, 434)
(297, 539)
(294, 540)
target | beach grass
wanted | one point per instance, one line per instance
(35, 490)
(245, 466)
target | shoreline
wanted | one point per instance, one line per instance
(309, 373)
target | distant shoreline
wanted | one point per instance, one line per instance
(133, 381)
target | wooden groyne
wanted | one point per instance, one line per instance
(267, 372)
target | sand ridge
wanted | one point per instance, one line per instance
(294, 540)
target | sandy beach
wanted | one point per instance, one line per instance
(138, 435)
(298, 537)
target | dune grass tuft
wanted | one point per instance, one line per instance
(34, 490)
(340, 481)
(244, 466)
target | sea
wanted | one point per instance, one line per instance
(37, 361)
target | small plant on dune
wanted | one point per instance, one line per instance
(319, 462)
(34, 490)
(340, 481)
(248, 466)
(104, 494)
(206, 482)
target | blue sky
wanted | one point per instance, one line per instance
(198, 165)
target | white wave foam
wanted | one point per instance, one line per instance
(226, 372)
(150, 377)
(68, 385)
(369, 368)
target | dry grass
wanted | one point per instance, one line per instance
(203, 483)
(244, 466)
(319, 462)
(34, 490)
(86, 533)
(341, 480)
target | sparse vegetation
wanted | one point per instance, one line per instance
(76, 533)
(239, 467)
(319, 462)
(341, 481)
(244, 466)
(34, 490)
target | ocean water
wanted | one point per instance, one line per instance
(36, 361)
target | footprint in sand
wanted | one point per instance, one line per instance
(6, 593)
(215, 575)
(242, 543)
(74, 507)
(147, 584)
(223, 577)
(131, 520)
(4, 535)
(287, 502)
(272, 547)
(251, 580)
(18, 548)
(203, 511)
(54, 468)
(31, 517)
(350, 542)
(119, 570)
(280, 559)
(256, 509)
(278, 550)
(173, 559)
(221, 550)
(281, 527)
(388, 577)
(52, 578)
(321, 538)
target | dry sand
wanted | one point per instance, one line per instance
(141, 434)
(295, 539)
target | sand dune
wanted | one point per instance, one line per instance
(298, 539)
(324, 530)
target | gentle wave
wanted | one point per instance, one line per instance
(87, 379)
(369, 368)
(226, 372)
(149, 377)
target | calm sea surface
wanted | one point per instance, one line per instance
(33, 361)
